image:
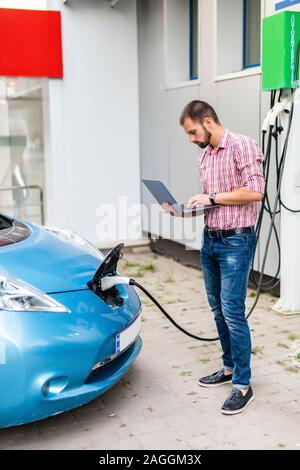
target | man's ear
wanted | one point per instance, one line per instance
(206, 123)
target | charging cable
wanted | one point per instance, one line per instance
(110, 281)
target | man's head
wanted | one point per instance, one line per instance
(200, 122)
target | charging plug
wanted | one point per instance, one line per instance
(108, 282)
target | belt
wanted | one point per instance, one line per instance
(228, 233)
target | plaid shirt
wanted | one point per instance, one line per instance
(236, 163)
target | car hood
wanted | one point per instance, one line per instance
(48, 263)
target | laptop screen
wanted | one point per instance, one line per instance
(159, 191)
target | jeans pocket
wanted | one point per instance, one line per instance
(235, 241)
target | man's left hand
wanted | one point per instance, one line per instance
(199, 199)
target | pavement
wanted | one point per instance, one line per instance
(159, 404)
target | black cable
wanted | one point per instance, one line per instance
(266, 207)
(132, 282)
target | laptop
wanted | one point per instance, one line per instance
(161, 193)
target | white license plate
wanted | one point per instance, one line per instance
(126, 337)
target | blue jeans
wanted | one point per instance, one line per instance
(226, 264)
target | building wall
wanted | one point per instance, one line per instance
(93, 142)
(237, 98)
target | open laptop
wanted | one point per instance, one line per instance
(161, 193)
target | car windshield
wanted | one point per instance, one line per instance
(12, 231)
(5, 222)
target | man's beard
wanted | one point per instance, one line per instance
(206, 142)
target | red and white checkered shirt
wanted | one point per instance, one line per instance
(236, 163)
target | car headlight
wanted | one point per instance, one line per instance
(69, 236)
(17, 296)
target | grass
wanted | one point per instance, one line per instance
(281, 363)
(127, 264)
(282, 345)
(292, 336)
(186, 373)
(173, 301)
(257, 350)
(204, 360)
(146, 301)
(169, 278)
(159, 286)
(297, 356)
(295, 370)
(143, 268)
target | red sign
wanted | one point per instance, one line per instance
(30, 43)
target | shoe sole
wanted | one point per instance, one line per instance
(234, 412)
(214, 385)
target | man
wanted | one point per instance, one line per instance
(231, 172)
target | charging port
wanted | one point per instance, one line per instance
(108, 267)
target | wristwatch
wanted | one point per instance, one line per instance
(212, 197)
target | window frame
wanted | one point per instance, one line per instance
(191, 39)
(245, 24)
(168, 82)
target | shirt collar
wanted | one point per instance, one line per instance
(223, 141)
(224, 138)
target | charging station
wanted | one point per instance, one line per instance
(281, 36)
(280, 76)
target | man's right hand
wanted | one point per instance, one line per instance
(168, 208)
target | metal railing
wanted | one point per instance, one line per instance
(26, 204)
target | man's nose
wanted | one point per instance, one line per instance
(191, 138)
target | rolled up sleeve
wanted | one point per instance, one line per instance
(249, 160)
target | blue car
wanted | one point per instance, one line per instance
(62, 343)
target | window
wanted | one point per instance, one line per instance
(182, 34)
(193, 39)
(238, 35)
(252, 27)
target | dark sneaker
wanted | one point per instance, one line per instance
(237, 402)
(213, 380)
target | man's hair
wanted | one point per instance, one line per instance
(198, 111)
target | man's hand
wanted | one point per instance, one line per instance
(198, 199)
(168, 208)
